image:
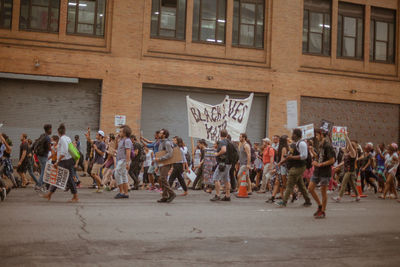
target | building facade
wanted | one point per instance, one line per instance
(84, 61)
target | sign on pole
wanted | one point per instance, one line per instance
(55, 176)
(307, 130)
(120, 120)
(291, 110)
(338, 136)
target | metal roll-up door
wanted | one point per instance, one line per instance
(165, 107)
(366, 121)
(26, 105)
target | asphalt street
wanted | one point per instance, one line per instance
(192, 231)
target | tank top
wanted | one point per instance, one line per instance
(349, 163)
(148, 161)
(242, 155)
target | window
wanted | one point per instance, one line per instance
(86, 17)
(209, 17)
(248, 23)
(382, 46)
(168, 19)
(39, 15)
(317, 27)
(350, 31)
(5, 13)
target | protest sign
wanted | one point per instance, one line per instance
(308, 131)
(206, 121)
(326, 126)
(338, 136)
(291, 111)
(55, 176)
(176, 157)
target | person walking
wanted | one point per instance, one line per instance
(268, 161)
(322, 171)
(65, 161)
(23, 160)
(224, 159)
(41, 148)
(179, 167)
(244, 160)
(168, 194)
(296, 164)
(99, 148)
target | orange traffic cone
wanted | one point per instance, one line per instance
(243, 187)
(359, 189)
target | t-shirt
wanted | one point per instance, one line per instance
(267, 154)
(326, 153)
(221, 144)
(98, 159)
(23, 147)
(123, 144)
(137, 146)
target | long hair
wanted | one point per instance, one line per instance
(282, 143)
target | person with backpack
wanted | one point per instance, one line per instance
(64, 160)
(234, 160)
(41, 148)
(269, 166)
(137, 162)
(225, 156)
(325, 158)
(296, 164)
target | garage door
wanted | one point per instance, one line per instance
(165, 107)
(367, 121)
(25, 106)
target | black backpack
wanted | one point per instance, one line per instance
(309, 158)
(232, 154)
(253, 154)
(142, 154)
(39, 146)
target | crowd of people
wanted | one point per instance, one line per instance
(287, 168)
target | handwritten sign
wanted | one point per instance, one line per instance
(207, 121)
(308, 131)
(176, 157)
(55, 176)
(120, 120)
(338, 136)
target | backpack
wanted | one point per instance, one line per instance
(253, 155)
(142, 154)
(39, 146)
(232, 154)
(309, 158)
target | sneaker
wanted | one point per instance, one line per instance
(225, 198)
(37, 188)
(169, 200)
(119, 196)
(163, 200)
(318, 210)
(3, 193)
(320, 215)
(271, 200)
(215, 198)
(280, 204)
(125, 196)
(307, 204)
(336, 199)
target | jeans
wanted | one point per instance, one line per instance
(30, 171)
(295, 177)
(42, 161)
(166, 189)
(69, 165)
(177, 173)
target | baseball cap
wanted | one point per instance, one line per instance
(266, 139)
(101, 133)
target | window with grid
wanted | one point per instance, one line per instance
(39, 15)
(248, 23)
(86, 17)
(383, 35)
(5, 13)
(317, 27)
(350, 31)
(168, 19)
(209, 19)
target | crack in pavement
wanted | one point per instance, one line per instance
(81, 219)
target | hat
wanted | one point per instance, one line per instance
(266, 139)
(101, 133)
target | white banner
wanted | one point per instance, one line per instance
(308, 131)
(206, 121)
(57, 177)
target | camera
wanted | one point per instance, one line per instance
(221, 167)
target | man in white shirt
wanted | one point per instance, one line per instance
(65, 161)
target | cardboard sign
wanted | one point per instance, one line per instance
(326, 125)
(206, 121)
(338, 136)
(176, 157)
(55, 176)
(291, 111)
(308, 131)
(120, 120)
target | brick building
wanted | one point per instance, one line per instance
(84, 61)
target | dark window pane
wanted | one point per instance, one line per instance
(316, 43)
(196, 18)
(155, 13)
(360, 38)
(40, 15)
(248, 11)
(247, 35)
(259, 36)
(349, 45)
(5, 13)
(101, 17)
(181, 20)
(235, 32)
(382, 31)
(221, 33)
(371, 40)
(208, 31)
(380, 51)
(392, 43)
(168, 18)
(350, 27)
(305, 31)
(221, 9)
(339, 36)
(209, 10)
(167, 33)
(86, 17)
(39, 18)
(316, 22)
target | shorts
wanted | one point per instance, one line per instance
(96, 169)
(152, 169)
(23, 167)
(283, 170)
(121, 173)
(323, 181)
(222, 176)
